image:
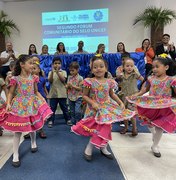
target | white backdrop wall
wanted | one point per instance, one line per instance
(27, 15)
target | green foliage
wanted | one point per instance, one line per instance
(153, 16)
(6, 26)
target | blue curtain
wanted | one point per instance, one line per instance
(113, 59)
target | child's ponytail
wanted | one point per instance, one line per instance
(21, 59)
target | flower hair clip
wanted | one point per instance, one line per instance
(36, 62)
(164, 55)
(98, 55)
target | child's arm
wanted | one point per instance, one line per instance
(45, 90)
(50, 76)
(89, 100)
(36, 91)
(10, 96)
(145, 88)
(116, 98)
(79, 87)
(141, 78)
(61, 77)
(4, 87)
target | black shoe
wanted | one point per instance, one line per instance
(50, 124)
(33, 150)
(69, 123)
(109, 156)
(1, 132)
(16, 164)
(27, 136)
(87, 157)
(156, 154)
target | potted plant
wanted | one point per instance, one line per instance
(156, 19)
(6, 27)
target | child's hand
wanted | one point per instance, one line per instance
(8, 107)
(69, 85)
(131, 97)
(95, 106)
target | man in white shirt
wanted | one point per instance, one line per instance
(80, 48)
(9, 55)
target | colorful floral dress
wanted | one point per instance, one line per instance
(28, 112)
(2, 103)
(98, 124)
(158, 109)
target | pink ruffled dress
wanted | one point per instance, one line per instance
(28, 112)
(98, 124)
(2, 110)
(159, 108)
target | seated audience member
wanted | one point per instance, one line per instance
(7, 56)
(149, 54)
(32, 49)
(80, 48)
(121, 48)
(100, 49)
(44, 50)
(10, 73)
(166, 47)
(60, 49)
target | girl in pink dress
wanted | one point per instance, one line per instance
(27, 109)
(158, 110)
(103, 108)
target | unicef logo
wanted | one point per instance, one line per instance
(98, 15)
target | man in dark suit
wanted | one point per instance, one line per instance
(166, 48)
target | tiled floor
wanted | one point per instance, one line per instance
(137, 161)
(133, 155)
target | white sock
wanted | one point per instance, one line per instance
(156, 139)
(33, 139)
(16, 144)
(152, 130)
(104, 150)
(89, 149)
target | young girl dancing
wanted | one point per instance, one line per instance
(101, 110)
(41, 88)
(128, 83)
(158, 110)
(27, 109)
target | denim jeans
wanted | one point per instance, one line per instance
(75, 110)
(63, 105)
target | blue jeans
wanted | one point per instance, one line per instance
(63, 105)
(75, 110)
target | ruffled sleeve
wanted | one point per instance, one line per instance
(36, 78)
(87, 83)
(13, 81)
(173, 82)
(113, 84)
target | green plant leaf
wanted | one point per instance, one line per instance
(6, 26)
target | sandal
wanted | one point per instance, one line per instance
(42, 135)
(123, 131)
(134, 133)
